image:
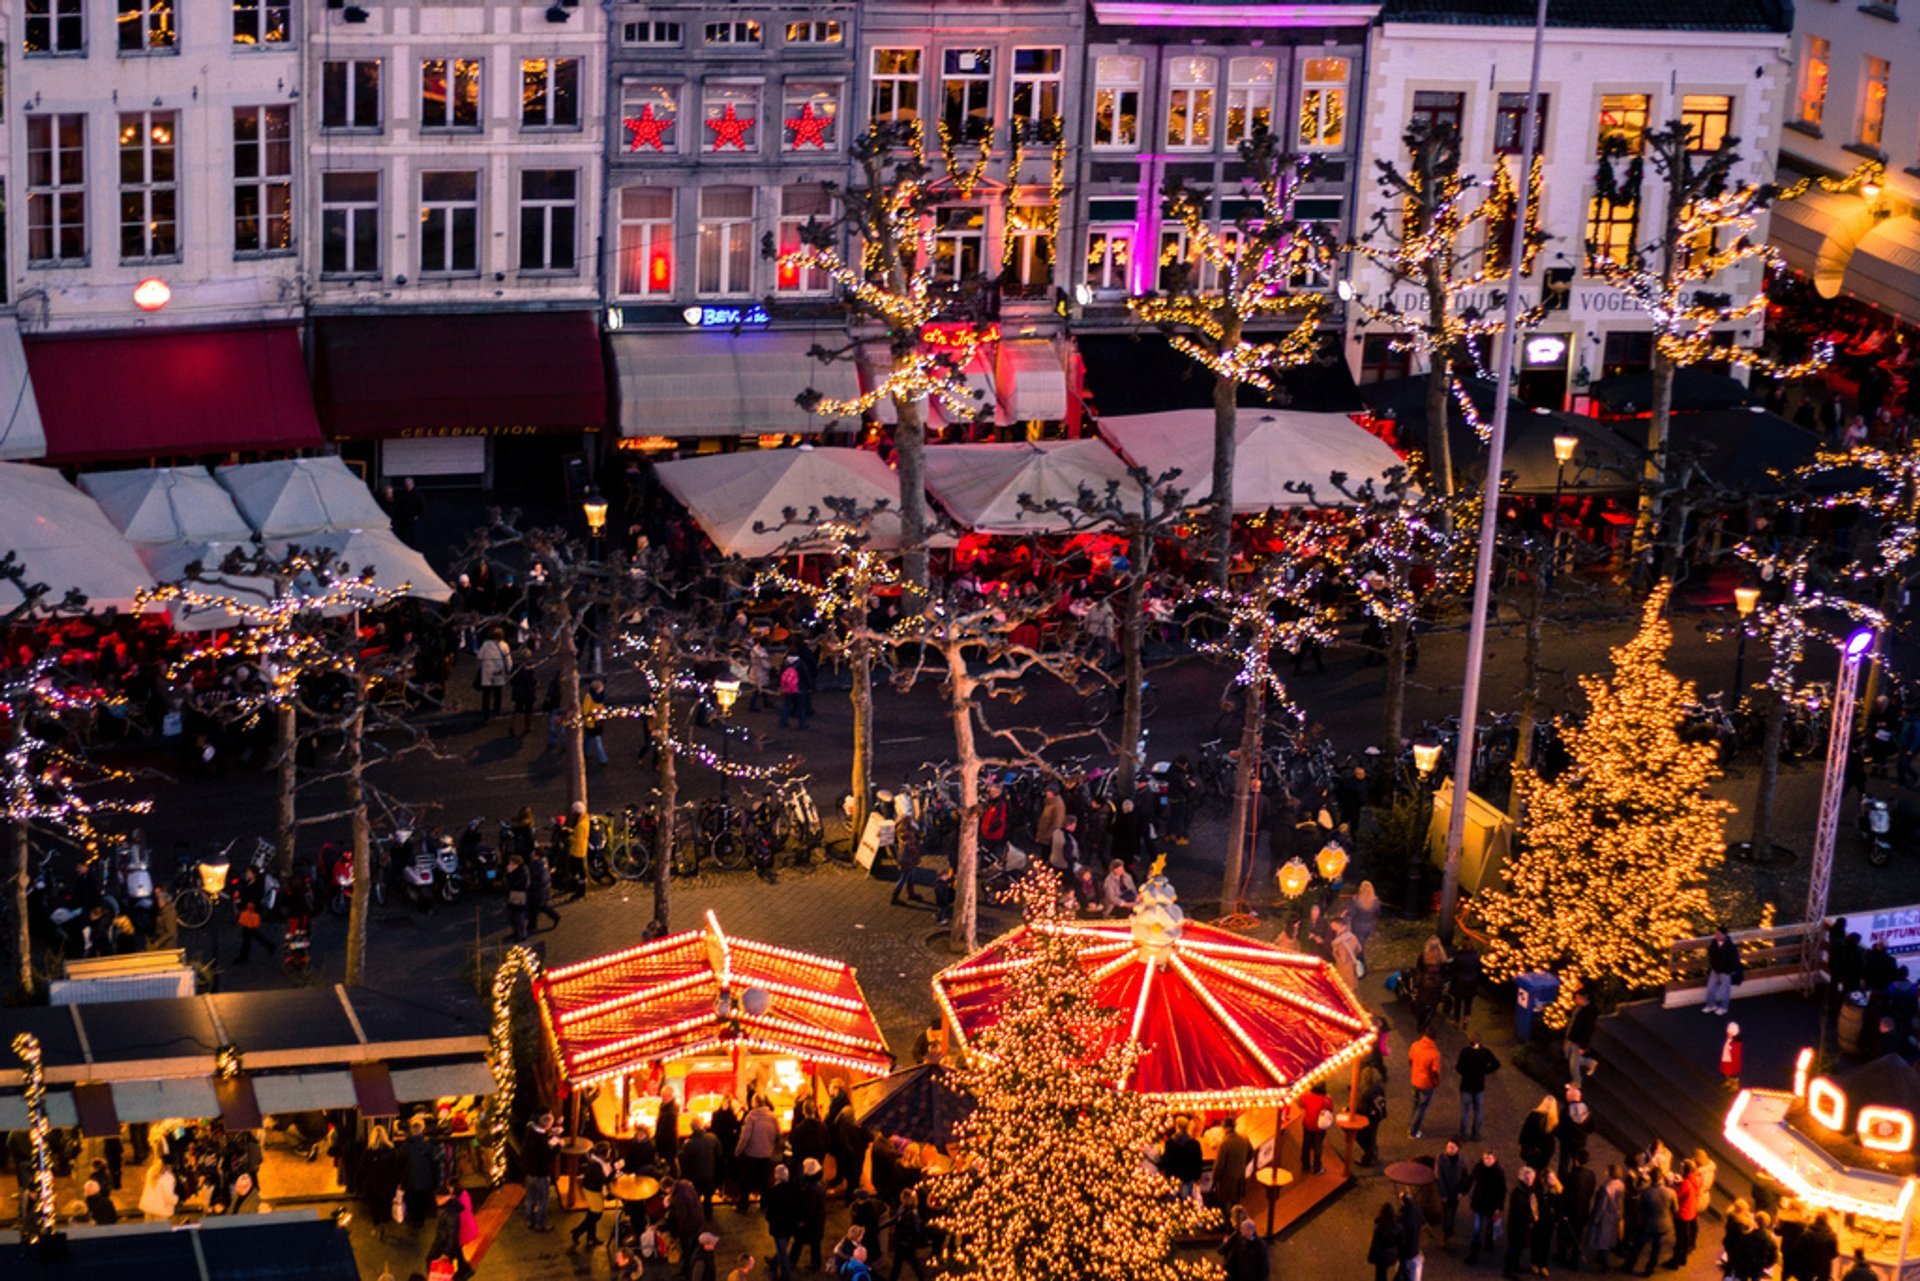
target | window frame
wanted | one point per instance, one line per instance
(808, 282)
(156, 40)
(448, 236)
(1021, 239)
(792, 99)
(1453, 111)
(1114, 111)
(550, 73)
(736, 251)
(820, 33)
(1870, 124)
(657, 32)
(68, 16)
(732, 92)
(265, 183)
(350, 91)
(896, 84)
(1197, 134)
(733, 33)
(1098, 280)
(548, 209)
(635, 97)
(1623, 229)
(1509, 113)
(1630, 121)
(950, 243)
(452, 72)
(56, 195)
(1698, 118)
(351, 211)
(1241, 97)
(655, 233)
(957, 114)
(1038, 85)
(147, 189)
(261, 10)
(1332, 117)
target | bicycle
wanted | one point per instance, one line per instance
(630, 846)
(1103, 703)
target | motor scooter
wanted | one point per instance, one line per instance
(1876, 829)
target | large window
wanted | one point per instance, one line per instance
(350, 224)
(1873, 101)
(1323, 104)
(1030, 249)
(648, 113)
(1190, 83)
(1177, 248)
(1816, 57)
(54, 26)
(56, 190)
(1109, 254)
(731, 111)
(725, 266)
(896, 85)
(1036, 84)
(1611, 229)
(1382, 358)
(1622, 127)
(799, 206)
(966, 91)
(262, 22)
(650, 34)
(149, 197)
(821, 32)
(646, 242)
(1117, 80)
(731, 33)
(549, 219)
(1437, 109)
(1508, 139)
(146, 26)
(350, 94)
(550, 93)
(450, 93)
(1708, 118)
(263, 180)
(449, 224)
(959, 243)
(1251, 85)
(810, 120)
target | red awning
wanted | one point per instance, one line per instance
(169, 393)
(497, 373)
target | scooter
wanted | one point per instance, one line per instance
(479, 861)
(1876, 829)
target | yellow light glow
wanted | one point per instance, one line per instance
(725, 692)
(213, 876)
(1820, 1190)
(1425, 757)
(1293, 878)
(1332, 860)
(1884, 1129)
(1563, 447)
(1802, 1064)
(1825, 1103)
(1745, 598)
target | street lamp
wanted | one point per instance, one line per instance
(594, 507)
(1563, 447)
(726, 691)
(213, 879)
(1745, 599)
(1294, 878)
(1426, 758)
(1331, 860)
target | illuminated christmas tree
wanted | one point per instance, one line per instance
(1057, 1183)
(1615, 852)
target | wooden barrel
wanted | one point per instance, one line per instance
(1852, 1019)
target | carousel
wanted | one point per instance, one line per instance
(1844, 1144)
(1228, 1028)
(710, 1016)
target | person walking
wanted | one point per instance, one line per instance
(1570, 1136)
(1383, 1248)
(596, 1174)
(1686, 1218)
(1244, 1255)
(519, 883)
(1812, 1254)
(496, 664)
(1486, 1197)
(524, 686)
(1732, 1053)
(1474, 1064)
(1463, 984)
(593, 701)
(909, 1235)
(538, 1153)
(419, 1171)
(1450, 1172)
(1429, 983)
(446, 1234)
(792, 706)
(1725, 970)
(1523, 1212)
(250, 897)
(1658, 1207)
(1607, 1223)
(782, 1208)
(1412, 1222)
(1861, 1269)
(700, 1159)
(1537, 1133)
(1580, 1189)
(1423, 1074)
(666, 1130)
(1230, 1164)
(754, 1151)
(540, 888)
(1578, 1043)
(686, 1221)
(812, 1227)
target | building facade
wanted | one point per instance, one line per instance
(1615, 76)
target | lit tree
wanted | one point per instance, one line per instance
(1614, 854)
(1439, 230)
(1240, 301)
(1056, 1181)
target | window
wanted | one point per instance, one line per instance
(1323, 104)
(262, 22)
(1626, 352)
(813, 33)
(1109, 252)
(1873, 101)
(1036, 84)
(1815, 59)
(1380, 362)
(149, 199)
(799, 206)
(646, 242)
(550, 93)
(56, 190)
(732, 33)
(648, 113)
(1623, 123)
(1435, 109)
(449, 223)
(1116, 100)
(55, 26)
(146, 26)
(549, 215)
(350, 224)
(637, 34)
(896, 85)
(966, 92)
(725, 264)
(450, 93)
(1610, 230)
(1250, 91)
(732, 116)
(959, 243)
(350, 94)
(1190, 104)
(1507, 138)
(1174, 251)
(263, 180)
(1709, 119)
(811, 116)
(1030, 250)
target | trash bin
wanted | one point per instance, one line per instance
(1534, 993)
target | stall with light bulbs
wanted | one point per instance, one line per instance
(709, 1015)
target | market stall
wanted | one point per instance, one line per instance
(1228, 1027)
(1844, 1144)
(709, 1015)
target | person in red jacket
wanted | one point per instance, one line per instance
(1423, 1073)
(1686, 1226)
(1730, 1055)
(1314, 1105)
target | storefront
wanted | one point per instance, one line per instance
(461, 398)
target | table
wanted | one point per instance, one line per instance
(635, 1187)
(1352, 1125)
(1410, 1174)
(570, 1153)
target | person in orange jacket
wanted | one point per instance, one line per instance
(1423, 1072)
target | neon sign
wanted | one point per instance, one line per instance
(725, 317)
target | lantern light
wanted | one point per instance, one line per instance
(1745, 599)
(1425, 757)
(1332, 860)
(725, 691)
(595, 509)
(1563, 447)
(1825, 1103)
(152, 294)
(1293, 877)
(1884, 1129)
(213, 876)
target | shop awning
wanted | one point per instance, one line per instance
(495, 373)
(173, 392)
(61, 1112)
(280, 1093)
(373, 1090)
(167, 505)
(447, 1081)
(188, 1098)
(977, 377)
(93, 1104)
(740, 500)
(396, 567)
(718, 383)
(1816, 234)
(1885, 268)
(21, 433)
(292, 497)
(239, 1106)
(1032, 381)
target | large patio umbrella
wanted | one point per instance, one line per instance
(729, 494)
(921, 1103)
(62, 539)
(294, 496)
(157, 505)
(394, 565)
(981, 486)
(1277, 448)
(1737, 449)
(1693, 389)
(1602, 462)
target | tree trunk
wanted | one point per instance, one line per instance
(573, 739)
(1647, 529)
(1535, 605)
(1439, 388)
(1776, 728)
(1226, 425)
(861, 695)
(1246, 795)
(22, 878)
(667, 767)
(1133, 628)
(966, 865)
(286, 726)
(910, 460)
(362, 837)
(1393, 712)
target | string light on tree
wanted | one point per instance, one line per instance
(41, 1220)
(519, 963)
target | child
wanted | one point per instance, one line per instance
(1730, 1054)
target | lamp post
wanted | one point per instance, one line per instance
(1426, 757)
(1563, 447)
(594, 508)
(725, 691)
(213, 879)
(1294, 878)
(1745, 599)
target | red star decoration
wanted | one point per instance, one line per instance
(730, 130)
(646, 130)
(809, 129)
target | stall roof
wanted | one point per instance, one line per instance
(64, 540)
(290, 1245)
(657, 1002)
(120, 1031)
(283, 1020)
(741, 500)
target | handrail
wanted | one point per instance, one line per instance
(1775, 959)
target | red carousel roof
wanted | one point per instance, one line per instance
(1220, 1020)
(664, 1000)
